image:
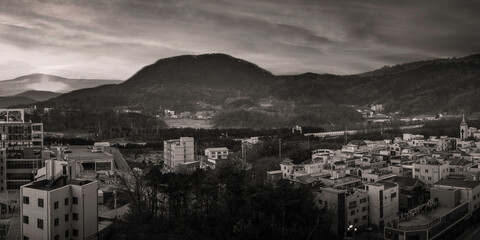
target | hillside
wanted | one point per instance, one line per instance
(14, 100)
(44, 82)
(213, 80)
(38, 95)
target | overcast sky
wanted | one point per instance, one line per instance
(115, 38)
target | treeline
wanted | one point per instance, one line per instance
(311, 116)
(218, 204)
(105, 123)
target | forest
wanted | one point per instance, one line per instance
(224, 203)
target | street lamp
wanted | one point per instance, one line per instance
(350, 228)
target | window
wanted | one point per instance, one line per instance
(57, 221)
(364, 209)
(363, 200)
(353, 204)
(426, 170)
(25, 238)
(66, 201)
(393, 195)
(40, 202)
(66, 233)
(352, 212)
(75, 216)
(40, 223)
(430, 178)
(355, 220)
(25, 219)
(75, 200)
(417, 170)
(75, 232)
(57, 237)
(66, 217)
(364, 217)
(26, 200)
(55, 205)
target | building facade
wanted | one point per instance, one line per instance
(178, 153)
(23, 144)
(382, 202)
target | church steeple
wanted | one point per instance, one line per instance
(463, 129)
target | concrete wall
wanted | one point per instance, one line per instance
(34, 212)
(446, 197)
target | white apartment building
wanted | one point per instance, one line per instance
(430, 170)
(216, 153)
(178, 153)
(59, 209)
(382, 202)
(59, 206)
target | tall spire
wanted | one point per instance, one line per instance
(463, 120)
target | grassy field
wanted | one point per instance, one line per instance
(188, 123)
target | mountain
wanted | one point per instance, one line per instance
(44, 82)
(210, 81)
(178, 83)
(38, 95)
(14, 100)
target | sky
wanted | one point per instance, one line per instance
(113, 39)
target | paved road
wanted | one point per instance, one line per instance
(472, 233)
(14, 229)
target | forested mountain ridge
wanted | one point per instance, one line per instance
(192, 82)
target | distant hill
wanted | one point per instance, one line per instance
(178, 83)
(193, 82)
(44, 82)
(38, 95)
(15, 100)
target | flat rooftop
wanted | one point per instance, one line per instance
(424, 218)
(82, 153)
(59, 183)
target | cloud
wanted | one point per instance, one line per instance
(47, 85)
(115, 38)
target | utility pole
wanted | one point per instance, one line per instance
(279, 147)
(308, 141)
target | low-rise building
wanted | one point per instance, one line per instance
(382, 202)
(430, 170)
(346, 206)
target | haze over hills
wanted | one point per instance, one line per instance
(216, 81)
(39, 95)
(44, 82)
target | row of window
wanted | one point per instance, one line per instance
(26, 200)
(57, 237)
(26, 220)
(356, 219)
(363, 210)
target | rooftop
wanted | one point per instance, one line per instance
(405, 181)
(457, 161)
(458, 183)
(46, 185)
(82, 153)
(387, 185)
(218, 149)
